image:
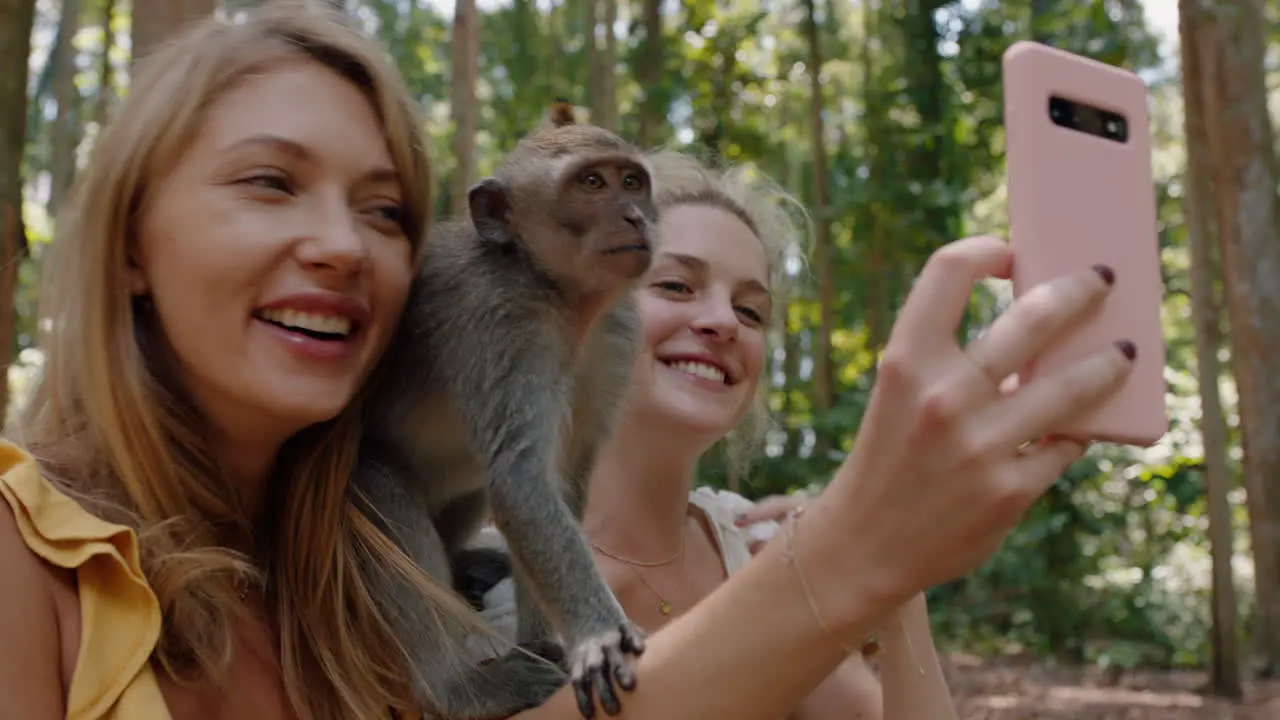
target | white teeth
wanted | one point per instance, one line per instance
(315, 322)
(697, 369)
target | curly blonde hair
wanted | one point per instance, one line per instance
(111, 431)
(777, 219)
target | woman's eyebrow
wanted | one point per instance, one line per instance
(292, 148)
(273, 142)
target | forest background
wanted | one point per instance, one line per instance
(1146, 584)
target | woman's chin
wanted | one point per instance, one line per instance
(304, 412)
(685, 415)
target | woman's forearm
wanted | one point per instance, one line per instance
(914, 686)
(911, 686)
(851, 692)
(752, 649)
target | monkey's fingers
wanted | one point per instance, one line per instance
(582, 693)
(632, 639)
(587, 661)
(602, 678)
(623, 671)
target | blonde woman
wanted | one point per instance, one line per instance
(662, 545)
(181, 542)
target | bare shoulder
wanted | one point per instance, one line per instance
(30, 668)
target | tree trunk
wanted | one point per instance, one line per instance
(609, 69)
(465, 45)
(652, 112)
(1225, 678)
(872, 230)
(1231, 50)
(824, 373)
(595, 90)
(155, 20)
(15, 49)
(106, 76)
(64, 138)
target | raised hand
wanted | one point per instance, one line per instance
(947, 462)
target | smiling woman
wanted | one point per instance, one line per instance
(705, 305)
(275, 257)
(234, 261)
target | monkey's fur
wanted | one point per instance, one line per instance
(515, 348)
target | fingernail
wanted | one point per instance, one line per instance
(1108, 275)
(739, 518)
(1129, 349)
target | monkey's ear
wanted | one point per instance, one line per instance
(561, 113)
(489, 207)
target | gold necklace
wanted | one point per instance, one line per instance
(637, 563)
(664, 606)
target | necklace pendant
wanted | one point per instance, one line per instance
(664, 607)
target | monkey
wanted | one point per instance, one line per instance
(514, 349)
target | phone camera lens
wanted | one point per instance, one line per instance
(1060, 111)
(1122, 130)
(1117, 128)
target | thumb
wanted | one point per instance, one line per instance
(774, 507)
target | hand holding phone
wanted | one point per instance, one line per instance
(1081, 194)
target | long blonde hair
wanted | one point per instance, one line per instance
(777, 219)
(110, 431)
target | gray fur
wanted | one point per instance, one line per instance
(493, 399)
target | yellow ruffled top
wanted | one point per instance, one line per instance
(119, 614)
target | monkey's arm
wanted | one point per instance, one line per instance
(598, 391)
(445, 675)
(515, 405)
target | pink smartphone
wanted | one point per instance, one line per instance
(1081, 193)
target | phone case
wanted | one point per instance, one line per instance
(1077, 200)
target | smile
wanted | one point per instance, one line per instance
(317, 326)
(702, 370)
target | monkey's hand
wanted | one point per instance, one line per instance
(598, 661)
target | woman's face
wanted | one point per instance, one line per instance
(704, 305)
(273, 252)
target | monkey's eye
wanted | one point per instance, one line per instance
(592, 181)
(632, 182)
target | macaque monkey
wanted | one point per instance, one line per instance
(515, 348)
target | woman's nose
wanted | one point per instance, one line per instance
(335, 242)
(717, 319)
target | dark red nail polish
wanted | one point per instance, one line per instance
(1108, 275)
(1129, 349)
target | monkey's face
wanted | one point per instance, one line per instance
(602, 233)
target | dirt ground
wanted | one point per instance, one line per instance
(1025, 691)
